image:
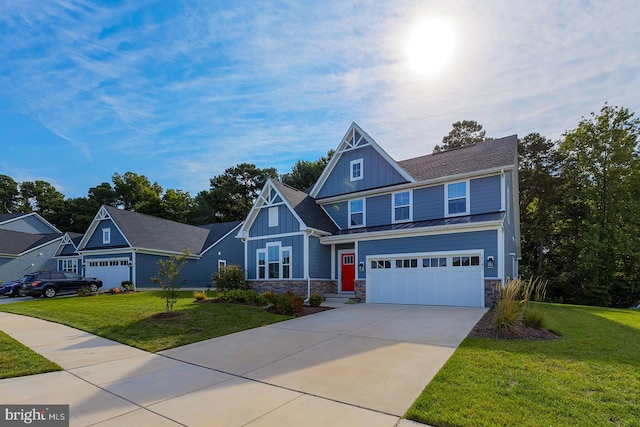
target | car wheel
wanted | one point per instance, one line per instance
(50, 292)
(93, 287)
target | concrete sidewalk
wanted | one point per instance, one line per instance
(360, 365)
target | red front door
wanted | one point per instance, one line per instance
(348, 272)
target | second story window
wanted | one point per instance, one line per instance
(273, 216)
(356, 213)
(106, 236)
(356, 170)
(457, 199)
(402, 206)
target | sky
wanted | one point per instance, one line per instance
(179, 91)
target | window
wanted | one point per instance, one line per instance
(356, 170)
(434, 262)
(466, 261)
(70, 265)
(274, 262)
(356, 213)
(273, 216)
(407, 263)
(457, 199)
(106, 236)
(381, 264)
(402, 206)
(221, 264)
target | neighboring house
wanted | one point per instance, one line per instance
(67, 256)
(27, 244)
(440, 229)
(120, 245)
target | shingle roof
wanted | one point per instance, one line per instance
(149, 232)
(489, 154)
(306, 208)
(15, 242)
(218, 231)
(9, 216)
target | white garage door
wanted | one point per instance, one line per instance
(426, 279)
(111, 271)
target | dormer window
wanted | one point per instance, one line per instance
(106, 236)
(356, 170)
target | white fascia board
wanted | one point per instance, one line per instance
(414, 185)
(412, 232)
(14, 256)
(222, 238)
(276, 236)
(35, 214)
(100, 215)
(40, 246)
(121, 251)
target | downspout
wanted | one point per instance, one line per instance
(307, 233)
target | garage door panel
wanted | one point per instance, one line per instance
(408, 283)
(111, 271)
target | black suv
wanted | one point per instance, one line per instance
(50, 283)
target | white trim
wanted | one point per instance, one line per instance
(467, 194)
(500, 256)
(305, 256)
(411, 232)
(502, 192)
(393, 207)
(342, 252)
(222, 262)
(146, 251)
(106, 236)
(333, 262)
(102, 214)
(272, 213)
(33, 249)
(415, 185)
(274, 236)
(221, 239)
(364, 213)
(355, 249)
(281, 250)
(351, 165)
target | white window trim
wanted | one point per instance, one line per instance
(351, 164)
(222, 263)
(265, 251)
(364, 213)
(273, 216)
(446, 198)
(393, 207)
(106, 236)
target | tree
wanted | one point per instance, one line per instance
(305, 173)
(136, 193)
(103, 194)
(177, 205)
(601, 224)
(466, 132)
(9, 195)
(233, 192)
(41, 197)
(167, 278)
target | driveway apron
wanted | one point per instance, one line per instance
(360, 364)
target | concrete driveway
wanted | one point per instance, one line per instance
(363, 364)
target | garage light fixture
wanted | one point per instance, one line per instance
(489, 262)
(361, 266)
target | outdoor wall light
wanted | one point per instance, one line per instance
(489, 262)
(361, 266)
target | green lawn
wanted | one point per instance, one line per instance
(588, 377)
(17, 360)
(127, 318)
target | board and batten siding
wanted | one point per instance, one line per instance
(287, 222)
(486, 240)
(117, 239)
(485, 195)
(319, 259)
(377, 172)
(68, 249)
(296, 242)
(28, 224)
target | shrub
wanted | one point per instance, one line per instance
(515, 308)
(267, 298)
(241, 296)
(288, 303)
(200, 295)
(127, 285)
(84, 292)
(315, 300)
(532, 317)
(230, 277)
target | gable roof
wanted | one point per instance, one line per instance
(355, 137)
(490, 154)
(14, 243)
(306, 208)
(7, 218)
(149, 232)
(218, 231)
(4, 217)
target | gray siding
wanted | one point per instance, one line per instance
(378, 210)
(117, 239)
(339, 212)
(30, 224)
(377, 172)
(319, 259)
(485, 195)
(287, 222)
(15, 268)
(428, 203)
(297, 252)
(487, 240)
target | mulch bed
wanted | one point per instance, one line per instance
(305, 310)
(485, 329)
(167, 315)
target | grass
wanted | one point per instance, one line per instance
(589, 376)
(127, 318)
(16, 360)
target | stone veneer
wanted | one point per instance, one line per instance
(297, 286)
(491, 292)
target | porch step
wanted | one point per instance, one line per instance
(339, 299)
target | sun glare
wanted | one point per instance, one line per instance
(430, 46)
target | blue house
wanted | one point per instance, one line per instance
(439, 229)
(27, 244)
(120, 245)
(67, 256)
